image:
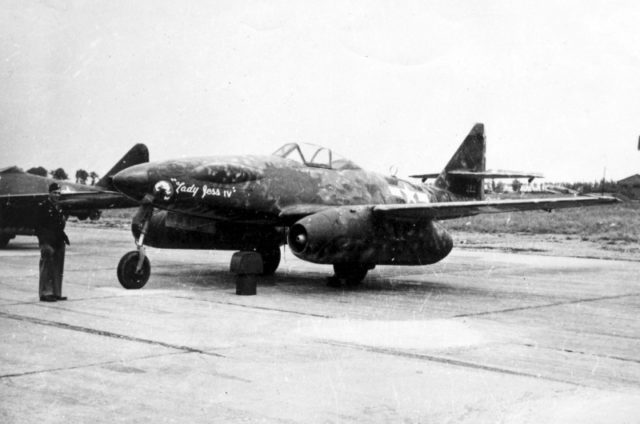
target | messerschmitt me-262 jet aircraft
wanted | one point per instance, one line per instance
(20, 193)
(326, 208)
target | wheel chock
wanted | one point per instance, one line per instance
(247, 266)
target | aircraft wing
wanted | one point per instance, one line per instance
(450, 210)
(70, 201)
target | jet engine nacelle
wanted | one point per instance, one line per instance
(354, 234)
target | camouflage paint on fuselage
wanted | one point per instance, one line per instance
(236, 202)
(251, 188)
(326, 208)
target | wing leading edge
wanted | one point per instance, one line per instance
(450, 210)
(90, 199)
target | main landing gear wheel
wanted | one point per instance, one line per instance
(351, 274)
(128, 275)
(270, 260)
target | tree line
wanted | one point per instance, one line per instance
(82, 176)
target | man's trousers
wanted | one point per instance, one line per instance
(51, 269)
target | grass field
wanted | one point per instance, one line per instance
(610, 223)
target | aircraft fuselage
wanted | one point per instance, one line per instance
(238, 203)
(257, 189)
(325, 207)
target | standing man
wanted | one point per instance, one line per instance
(50, 224)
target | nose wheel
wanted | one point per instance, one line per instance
(134, 270)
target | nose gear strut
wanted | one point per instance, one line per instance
(134, 268)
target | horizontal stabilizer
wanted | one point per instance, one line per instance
(425, 177)
(497, 174)
(483, 174)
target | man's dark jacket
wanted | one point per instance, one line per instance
(50, 222)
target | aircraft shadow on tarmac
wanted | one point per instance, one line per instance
(212, 277)
(415, 281)
(207, 277)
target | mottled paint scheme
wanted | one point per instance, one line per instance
(355, 234)
(275, 185)
(244, 202)
(470, 156)
(334, 211)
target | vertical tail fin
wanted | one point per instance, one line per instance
(137, 154)
(470, 156)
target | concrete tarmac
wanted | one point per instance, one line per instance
(482, 337)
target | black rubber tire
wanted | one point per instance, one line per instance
(127, 275)
(270, 259)
(351, 273)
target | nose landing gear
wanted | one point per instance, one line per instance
(134, 267)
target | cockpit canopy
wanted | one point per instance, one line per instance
(314, 156)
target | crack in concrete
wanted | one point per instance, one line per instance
(219, 302)
(546, 305)
(106, 363)
(96, 364)
(449, 361)
(581, 352)
(69, 301)
(262, 308)
(103, 333)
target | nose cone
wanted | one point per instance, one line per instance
(133, 181)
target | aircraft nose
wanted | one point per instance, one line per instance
(133, 181)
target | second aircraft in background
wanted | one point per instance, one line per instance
(21, 192)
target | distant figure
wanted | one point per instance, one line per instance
(50, 224)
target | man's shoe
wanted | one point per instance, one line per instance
(48, 298)
(61, 297)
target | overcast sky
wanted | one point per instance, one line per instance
(385, 83)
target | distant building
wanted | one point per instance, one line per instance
(630, 186)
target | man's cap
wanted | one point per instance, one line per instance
(54, 187)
